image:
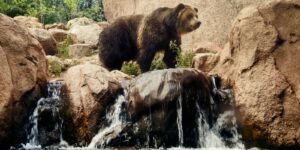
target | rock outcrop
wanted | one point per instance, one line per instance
(87, 34)
(83, 21)
(28, 21)
(261, 65)
(46, 39)
(81, 50)
(89, 89)
(59, 35)
(216, 16)
(23, 74)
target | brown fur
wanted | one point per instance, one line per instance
(139, 37)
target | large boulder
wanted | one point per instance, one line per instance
(46, 39)
(88, 90)
(55, 26)
(59, 35)
(23, 74)
(205, 61)
(81, 50)
(79, 21)
(261, 63)
(155, 97)
(87, 34)
(28, 21)
(216, 16)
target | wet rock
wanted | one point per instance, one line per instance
(81, 50)
(28, 21)
(88, 90)
(153, 102)
(261, 64)
(23, 74)
(46, 39)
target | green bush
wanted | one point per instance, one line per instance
(131, 68)
(185, 59)
(157, 63)
(63, 48)
(54, 68)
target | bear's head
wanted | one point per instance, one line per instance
(187, 19)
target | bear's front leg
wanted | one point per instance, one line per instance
(171, 54)
(170, 58)
(145, 59)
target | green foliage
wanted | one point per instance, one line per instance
(157, 63)
(131, 68)
(63, 48)
(54, 68)
(51, 11)
(183, 59)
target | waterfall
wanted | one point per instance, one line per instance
(108, 133)
(179, 120)
(46, 106)
(223, 133)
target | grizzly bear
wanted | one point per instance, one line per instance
(139, 37)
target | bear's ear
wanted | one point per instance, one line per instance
(196, 9)
(179, 7)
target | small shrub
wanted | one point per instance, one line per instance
(183, 59)
(63, 48)
(157, 62)
(54, 68)
(131, 68)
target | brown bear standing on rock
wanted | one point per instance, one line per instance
(139, 37)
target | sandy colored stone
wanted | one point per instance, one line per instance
(261, 64)
(23, 74)
(88, 90)
(28, 21)
(46, 39)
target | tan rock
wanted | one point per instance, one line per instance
(261, 64)
(87, 34)
(216, 16)
(46, 39)
(58, 34)
(23, 73)
(89, 89)
(79, 21)
(206, 47)
(81, 50)
(55, 26)
(205, 61)
(28, 21)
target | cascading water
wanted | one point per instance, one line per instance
(179, 120)
(45, 118)
(116, 124)
(223, 133)
(214, 129)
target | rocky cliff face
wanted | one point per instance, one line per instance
(260, 63)
(216, 16)
(23, 73)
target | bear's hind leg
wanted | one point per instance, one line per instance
(145, 59)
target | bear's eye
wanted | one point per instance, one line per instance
(190, 16)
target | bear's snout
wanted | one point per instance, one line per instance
(197, 24)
